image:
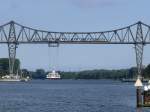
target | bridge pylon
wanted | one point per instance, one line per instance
(139, 47)
(12, 45)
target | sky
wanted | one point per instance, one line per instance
(75, 15)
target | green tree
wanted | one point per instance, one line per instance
(146, 72)
(4, 66)
(39, 74)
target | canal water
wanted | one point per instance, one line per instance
(68, 96)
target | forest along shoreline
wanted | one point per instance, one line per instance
(85, 74)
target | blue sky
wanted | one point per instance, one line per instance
(76, 15)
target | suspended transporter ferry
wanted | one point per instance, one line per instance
(53, 75)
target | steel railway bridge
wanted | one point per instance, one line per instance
(14, 34)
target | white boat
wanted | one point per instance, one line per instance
(10, 78)
(53, 75)
(14, 78)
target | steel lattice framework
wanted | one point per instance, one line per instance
(13, 34)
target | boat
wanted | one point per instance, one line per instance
(14, 78)
(10, 78)
(53, 75)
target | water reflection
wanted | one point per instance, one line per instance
(144, 109)
(139, 110)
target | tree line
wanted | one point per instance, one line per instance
(93, 74)
(86, 74)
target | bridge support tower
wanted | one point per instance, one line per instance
(12, 45)
(139, 47)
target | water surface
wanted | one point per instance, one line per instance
(68, 96)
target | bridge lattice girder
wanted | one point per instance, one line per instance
(126, 35)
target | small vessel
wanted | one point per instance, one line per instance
(10, 78)
(53, 75)
(14, 78)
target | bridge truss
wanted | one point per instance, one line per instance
(14, 34)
